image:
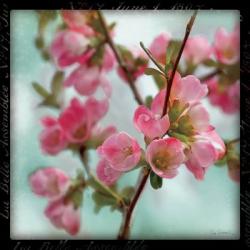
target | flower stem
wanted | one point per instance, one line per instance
(171, 78)
(118, 57)
(125, 227)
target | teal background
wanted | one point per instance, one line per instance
(183, 209)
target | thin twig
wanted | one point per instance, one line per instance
(147, 51)
(171, 78)
(210, 75)
(125, 228)
(119, 59)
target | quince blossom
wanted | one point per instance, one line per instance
(121, 151)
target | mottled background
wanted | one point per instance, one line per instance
(184, 208)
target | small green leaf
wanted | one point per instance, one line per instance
(102, 200)
(210, 63)
(40, 90)
(56, 84)
(148, 101)
(125, 53)
(155, 180)
(221, 162)
(77, 198)
(160, 81)
(127, 193)
(152, 71)
(97, 58)
(185, 126)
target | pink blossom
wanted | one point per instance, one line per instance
(150, 124)
(75, 122)
(207, 148)
(165, 156)
(121, 151)
(96, 109)
(85, 79)
(197, 49)
(199, 117)
(227, 45)
(225, 97)
(52, 138)
(187, 89)
(69, 47)
(99, 135)
(63, 214)
(159, 46)
(136, 65)
(107, 174)
(49, 182)
(77, 20)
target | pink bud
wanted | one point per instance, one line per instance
(197, 49)
(165, 156)
(69, 47)
(150, 124)
(96, 109)
(52, 138)
(106, 174)
(77, 20)
(227, 45)
(121, 151)
(75, 122)
(159, 46)
(85, 79)
(49, 182)
(64, 215)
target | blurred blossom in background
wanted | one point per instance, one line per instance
(184, 208)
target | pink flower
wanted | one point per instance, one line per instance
(197, 49)
(199, 117)
(225, 97)
(135, 65)
(96, 109)
(121, 151)
(77, 20)
(165, 156)
(49, 182)
(52, 138)
(69, 47)
(75, 122)
(159, 46)
(107, 174)
(227, 45)
(99, 135)
(207, 148)
(187, 89)
(63, 214)
(150, 124)
(85, 79)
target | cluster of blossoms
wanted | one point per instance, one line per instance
(182, 136)
(55, 185)
(223, 54)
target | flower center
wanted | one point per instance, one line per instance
(161, 160)
(127, 151)
(80, 132)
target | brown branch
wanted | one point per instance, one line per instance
(171, 78)
(131, 82)
(125, 227)
(210, 75)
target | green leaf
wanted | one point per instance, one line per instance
(221, 162)
(97, 58)
(155, 180)
(77, 198)
(176, 110)
(125, 53)
(185, 126)
(127, 193)
(56, 84)
(148, 101)
(152, 71)
(210, 63)
(101, 200)
(160, 81)
(40, 90)
(50, 101)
